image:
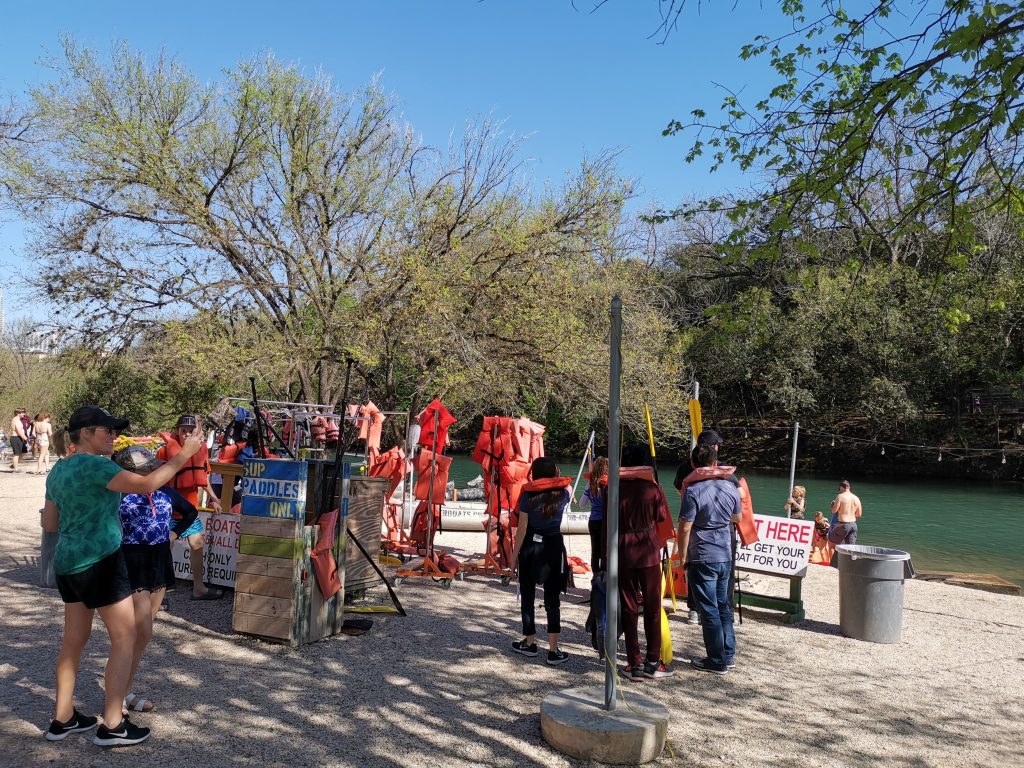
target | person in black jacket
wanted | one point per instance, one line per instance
(540, 555)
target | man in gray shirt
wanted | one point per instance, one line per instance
(710, 507)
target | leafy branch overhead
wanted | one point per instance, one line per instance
(921, 95)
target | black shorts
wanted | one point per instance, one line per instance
(99, 585)
(149, 566)
(18, 446)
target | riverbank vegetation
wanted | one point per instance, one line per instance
(191, 235)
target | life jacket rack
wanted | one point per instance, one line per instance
(301, 415)
(489, 565)
(435, 564)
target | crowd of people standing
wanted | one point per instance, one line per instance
(28, 437)
(117, 514)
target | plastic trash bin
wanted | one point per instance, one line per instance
(47, 549)
(871, 592)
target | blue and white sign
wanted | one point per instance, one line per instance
(275, 488)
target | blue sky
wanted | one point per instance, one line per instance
(574, 82)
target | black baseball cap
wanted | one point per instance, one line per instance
(188, 421)
(709, 437)
(94, 416)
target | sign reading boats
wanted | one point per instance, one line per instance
(274, 488)
(783, 546)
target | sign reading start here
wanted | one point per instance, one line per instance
(783, 546)
(275, 488)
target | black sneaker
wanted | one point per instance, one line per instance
(634, 674)
(656, 670)
(78, 723)
(125, 734)
(705, 666)
(557, 657)
(520, 646)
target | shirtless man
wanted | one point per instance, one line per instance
(846, 506)
(19, 439)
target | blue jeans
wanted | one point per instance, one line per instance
(709, 584)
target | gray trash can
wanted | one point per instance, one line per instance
(47, 549)
(871, 592)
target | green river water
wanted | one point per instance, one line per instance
(955, 526)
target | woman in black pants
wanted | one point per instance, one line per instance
(540, 555)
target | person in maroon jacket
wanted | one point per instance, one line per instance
(642, 506)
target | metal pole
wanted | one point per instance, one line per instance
(611, 515)
(586, 455)
(792, 461)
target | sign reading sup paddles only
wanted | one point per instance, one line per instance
(783, 546)
(275, 488)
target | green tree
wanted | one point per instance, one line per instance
(274, 226)
(923, 94)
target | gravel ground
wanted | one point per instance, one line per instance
(440, 687)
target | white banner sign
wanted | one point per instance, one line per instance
(783, 546)
(220, 550)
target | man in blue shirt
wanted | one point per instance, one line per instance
(710, 507)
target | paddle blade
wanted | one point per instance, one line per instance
(696, 426)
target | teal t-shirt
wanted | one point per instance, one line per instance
(90, 526)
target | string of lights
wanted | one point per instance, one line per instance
(833, 437)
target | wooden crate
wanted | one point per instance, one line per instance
(277, 596)
(274, 573)
(365, 517)
(273, 594)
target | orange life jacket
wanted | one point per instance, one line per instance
(535, 486)
(426, 421)
(422, 464)
(324, 565)
(390, 464)
(528, 439)
(628, 473)
(665, 530)
(512, 476)
(747, 529)
(418, 529)
(331, 431)
(547, 484)
(318, 429)
(193, 474)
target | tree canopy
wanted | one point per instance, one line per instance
(882, 119)
(272, 224)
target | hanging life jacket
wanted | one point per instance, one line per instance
(193, 474)
(331, 432)
(547, 484)
(318, 430)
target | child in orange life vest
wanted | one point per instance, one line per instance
(190, 478)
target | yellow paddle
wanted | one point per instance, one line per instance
(696, 426)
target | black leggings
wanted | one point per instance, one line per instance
(542, 563)
(597, 548)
